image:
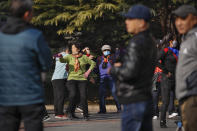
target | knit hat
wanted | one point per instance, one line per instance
(106, 47)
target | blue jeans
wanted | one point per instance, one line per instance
(104, 82)
(137, 116)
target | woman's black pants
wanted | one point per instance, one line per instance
(59, 89)
(77, 88)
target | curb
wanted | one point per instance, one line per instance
(91, 108)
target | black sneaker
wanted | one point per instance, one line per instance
(102, 112)
(163, 124)
(72, 116)
(86, 118)
(119, 111)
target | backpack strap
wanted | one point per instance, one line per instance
(167, 49)
(176, 57)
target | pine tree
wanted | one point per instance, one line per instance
(71, 16)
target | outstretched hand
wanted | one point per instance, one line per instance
(118, 64)
(59, 55)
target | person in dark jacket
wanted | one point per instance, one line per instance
(24, 54)
(134, 73)
(168, 57)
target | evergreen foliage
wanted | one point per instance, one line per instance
(97, 21)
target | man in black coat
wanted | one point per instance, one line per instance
(134, 73)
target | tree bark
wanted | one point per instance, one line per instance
(164, 16)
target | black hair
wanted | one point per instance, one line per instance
(77, 45)
(19, 7)
(64, 48)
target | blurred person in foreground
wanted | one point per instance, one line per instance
(186, 72)
(24, 54)
(134, 73)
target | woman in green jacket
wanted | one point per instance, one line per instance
(77, 78)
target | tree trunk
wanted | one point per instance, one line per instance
(164, 16)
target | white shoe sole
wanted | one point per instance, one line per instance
(47, 119)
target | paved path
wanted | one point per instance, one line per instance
(97, 122)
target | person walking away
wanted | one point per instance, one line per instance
(24, 54)
(77, 78)
(173, 108)
(186, 72)
(105, 62)
(168, 57)
(156, 92)
(59, 79)
(134, 73)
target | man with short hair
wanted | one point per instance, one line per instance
(186, 73)
(24, 54)
(134, 73)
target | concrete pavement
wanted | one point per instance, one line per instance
(98, 122)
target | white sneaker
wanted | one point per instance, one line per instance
(155, 117)
(46, 118)
(173, 115)
(79, 109)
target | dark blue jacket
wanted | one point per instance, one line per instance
(23, 56)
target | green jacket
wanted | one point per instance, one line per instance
(83, 60)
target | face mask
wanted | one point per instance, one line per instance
(106, 53)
